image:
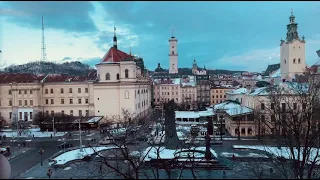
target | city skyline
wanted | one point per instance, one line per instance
(233, 38)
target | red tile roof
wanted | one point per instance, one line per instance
(114, 55)
(19, 78)
(64, 78)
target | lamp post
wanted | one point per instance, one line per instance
(81, 150)
(220, 118)
(41, 152)
(53, 126)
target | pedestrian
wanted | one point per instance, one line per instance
(33, 135)
(233, 157)
(24, 144)
(271, 170)
(19, 146)
(51, 136)
(224, 175)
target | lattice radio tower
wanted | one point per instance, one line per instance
(43, 48)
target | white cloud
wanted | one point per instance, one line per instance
(258, 59)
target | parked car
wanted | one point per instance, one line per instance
(65, 145)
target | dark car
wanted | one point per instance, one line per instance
(65, 145)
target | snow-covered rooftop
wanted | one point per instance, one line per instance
(259, 91)
(277, 74)
(194, 114)
(232, 108)
(238, 91)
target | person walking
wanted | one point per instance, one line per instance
(224, 175)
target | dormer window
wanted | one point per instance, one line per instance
(126, 73)
(107, 76)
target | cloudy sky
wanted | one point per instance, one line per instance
(220, 35)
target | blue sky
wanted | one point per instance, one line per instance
(220, 35)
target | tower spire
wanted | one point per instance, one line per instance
(292, 28)
(115, 44)
(172, 33)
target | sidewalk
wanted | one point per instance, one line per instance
(18, 152)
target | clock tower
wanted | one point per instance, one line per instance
(173, 55)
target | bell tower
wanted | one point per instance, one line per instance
(292, 52)
(173, 55)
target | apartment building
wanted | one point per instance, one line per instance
(189, 91)
(203, 92)
(165, 90)
(218, 94)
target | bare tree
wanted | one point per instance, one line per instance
(289, 116)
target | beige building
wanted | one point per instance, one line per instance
(165, 90)
(189, 91)
(218, 94)
(118, 84)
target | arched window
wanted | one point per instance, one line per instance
(107, 76)
(172, 52)
(285, 61)
(126, 73)
(294, 60)
(299, 60)
(126, 94)
(118, 77)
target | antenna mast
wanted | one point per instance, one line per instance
(43, 48)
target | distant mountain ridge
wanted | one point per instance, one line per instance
(78, 69)
(69, 68)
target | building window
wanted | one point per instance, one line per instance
(52, 102)
(62, 112)
(31, 102)
(272, 106)
(10, 91)
(283, 107)
(52, 113)
(30, 115)
(70, 90)
(79, 101)
(304, 106)
(61, 90)
(62, 101)
(249, 131)
(294, 106)
(47, 101)
(25, 92)
(126, 73)
(107, 76)
(86, 90)
(31, 91)
(20, 102)
(285, 61)
(299, 60)
(263, 118)
(51, 91)
(118, 76)
(19, 91)
(80, 112)
(262, 106)
(294, 60)
(273, 118)
(172, 52)
(10, 102)
(71, 112)
(79, 90)
(10, 115)
(25, 102)
(87, 113)
(46, 91)
(70, 101)
(20, 115)
(87, 101)
(47, 113)
(126, 94)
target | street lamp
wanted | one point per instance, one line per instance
(41, 152)
(53, 126)
(220, 118)
(81, 150)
